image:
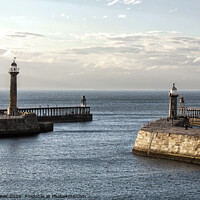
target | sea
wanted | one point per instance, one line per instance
(93, 160)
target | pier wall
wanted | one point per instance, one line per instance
(19, 125)
(170, 146)
(66, 118)
(46, 127)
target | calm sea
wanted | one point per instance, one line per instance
(93, 160)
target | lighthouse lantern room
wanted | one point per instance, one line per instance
(173, 102)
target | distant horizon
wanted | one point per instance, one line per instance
(19, 90)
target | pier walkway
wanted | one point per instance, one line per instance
(58, 114)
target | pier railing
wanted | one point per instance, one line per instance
(54, 111)
(189, 112)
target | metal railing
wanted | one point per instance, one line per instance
(189, 112)
(57, 111)
(53, 111)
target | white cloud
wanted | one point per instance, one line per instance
(121, 16)
(173, 10)
(127, 2)
(152, 67)
(6, 53)
(113, 2)
(123, 55)
(105, 17)
(133, 2)
(196, 60)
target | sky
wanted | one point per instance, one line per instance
(101, 44)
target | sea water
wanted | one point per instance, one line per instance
(93, 160)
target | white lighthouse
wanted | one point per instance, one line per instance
(13, 71)
(173, 94)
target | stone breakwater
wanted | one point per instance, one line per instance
(23, 125)
(162, 140)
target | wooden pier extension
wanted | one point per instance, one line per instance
(58, 114)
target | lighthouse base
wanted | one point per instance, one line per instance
(12, 111)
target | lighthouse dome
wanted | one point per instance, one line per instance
(14, 64)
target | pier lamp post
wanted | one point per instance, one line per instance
(173, 94)
(83, 101)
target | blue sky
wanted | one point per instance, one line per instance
(101, 44)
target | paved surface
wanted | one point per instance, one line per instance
(164, 126)
(10, 117)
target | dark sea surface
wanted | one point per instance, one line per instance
(94, 159)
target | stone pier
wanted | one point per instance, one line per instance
(162, 139)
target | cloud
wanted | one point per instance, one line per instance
(130, 52)
(158, 32)
(64, 16)
(127, 2)
(7, 53)
(116, 55)
(133, 2)
(173, 10)
(113, 2)
(100, 50)
(24, 34)
(152, 67)
(143, 51)
(3, 51)
(196, 60)
(121, 16)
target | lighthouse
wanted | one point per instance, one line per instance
(13, 71)
(181, 107)
(173, 102)
(83, 101)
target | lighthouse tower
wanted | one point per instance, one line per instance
(173, 102)
(13, 71)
